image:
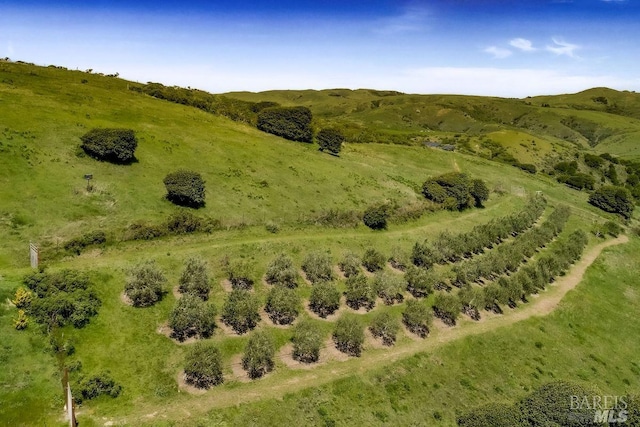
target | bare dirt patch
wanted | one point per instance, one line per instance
(226, 285)
(176, 292)
(125, 299)
(332, 352)
(393, 269)
(165, 330)
(371, 342)
(239, 374)
(224, 329)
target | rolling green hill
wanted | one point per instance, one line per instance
(266, 196)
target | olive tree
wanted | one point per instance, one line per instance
(240, 311)
(192, 317)
(145, 284)
(348, 335)
(195, 279)
(325, 299)
(359, 292)
(417, 317)
(258, 357)
(385, 325)
(307, 341)
(317, 267)
(282, 271)
(203, 366)
(283, 305)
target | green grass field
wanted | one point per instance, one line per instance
(254, 179)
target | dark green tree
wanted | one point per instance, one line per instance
(185, 188)
(330, 140)
(111, 145)
(373, 260)
(293, 123)
(613, 199)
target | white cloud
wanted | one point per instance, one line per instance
(522, 44)
(413, 19)
(498, 52)
(560, 47)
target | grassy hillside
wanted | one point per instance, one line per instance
(600, 118)
(271, 196)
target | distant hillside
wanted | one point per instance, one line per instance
(530, 128)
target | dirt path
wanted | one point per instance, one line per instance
(284, 380)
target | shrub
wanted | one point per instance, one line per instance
(325, 299)
(110, 145)
(472, 301)
(613, 199)
(399, 259)
(258, 355)
(385, 326)
(578, 181)
(454, 190)
(185, 188)
(77, 244)
(281, 271)
(192, 317)
(203, 366)
(550, 404)
(373, 260)
(145, 284)
(22, 298)
(22, 321)
(479, 191)
(240, 311)
(184, 222)
(194, 278)
(348, 335)
(350, 264)
(307, 341)
(97, 385)
(375, 217)
(527, 167)
(422, 255)
(447, 308)
(389, 287)
(417, 317)
(140, 231)
(330, 140)
(359, 293)
(240, 274)
(283, 305)
(293, 123)
(494, 415)
(593, 161)
(317, 267)
(419, 281)
(62, 298)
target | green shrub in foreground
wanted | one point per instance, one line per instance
(203, 366)
(192, 317)
(110, 145)
(325, 299)
(185, 188)
(195, 279)
(385, 326)
(241, 311)
(258, 355)
(307, 341)
(145, 284)
(94, 386)
(283, 305)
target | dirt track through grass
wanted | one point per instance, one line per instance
(274, 386)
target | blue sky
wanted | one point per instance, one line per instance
(491, 47)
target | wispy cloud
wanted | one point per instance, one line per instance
(498, 52)
(522, 44)
(413, 19)
(561, 47)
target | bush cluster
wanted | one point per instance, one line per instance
(293, 123)
(110, 145)
(77, 244)
(455, 190)
(185, 188)
(330, 140)
(96, 385)
(375, 217)
(61, 298)
(613, 199)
